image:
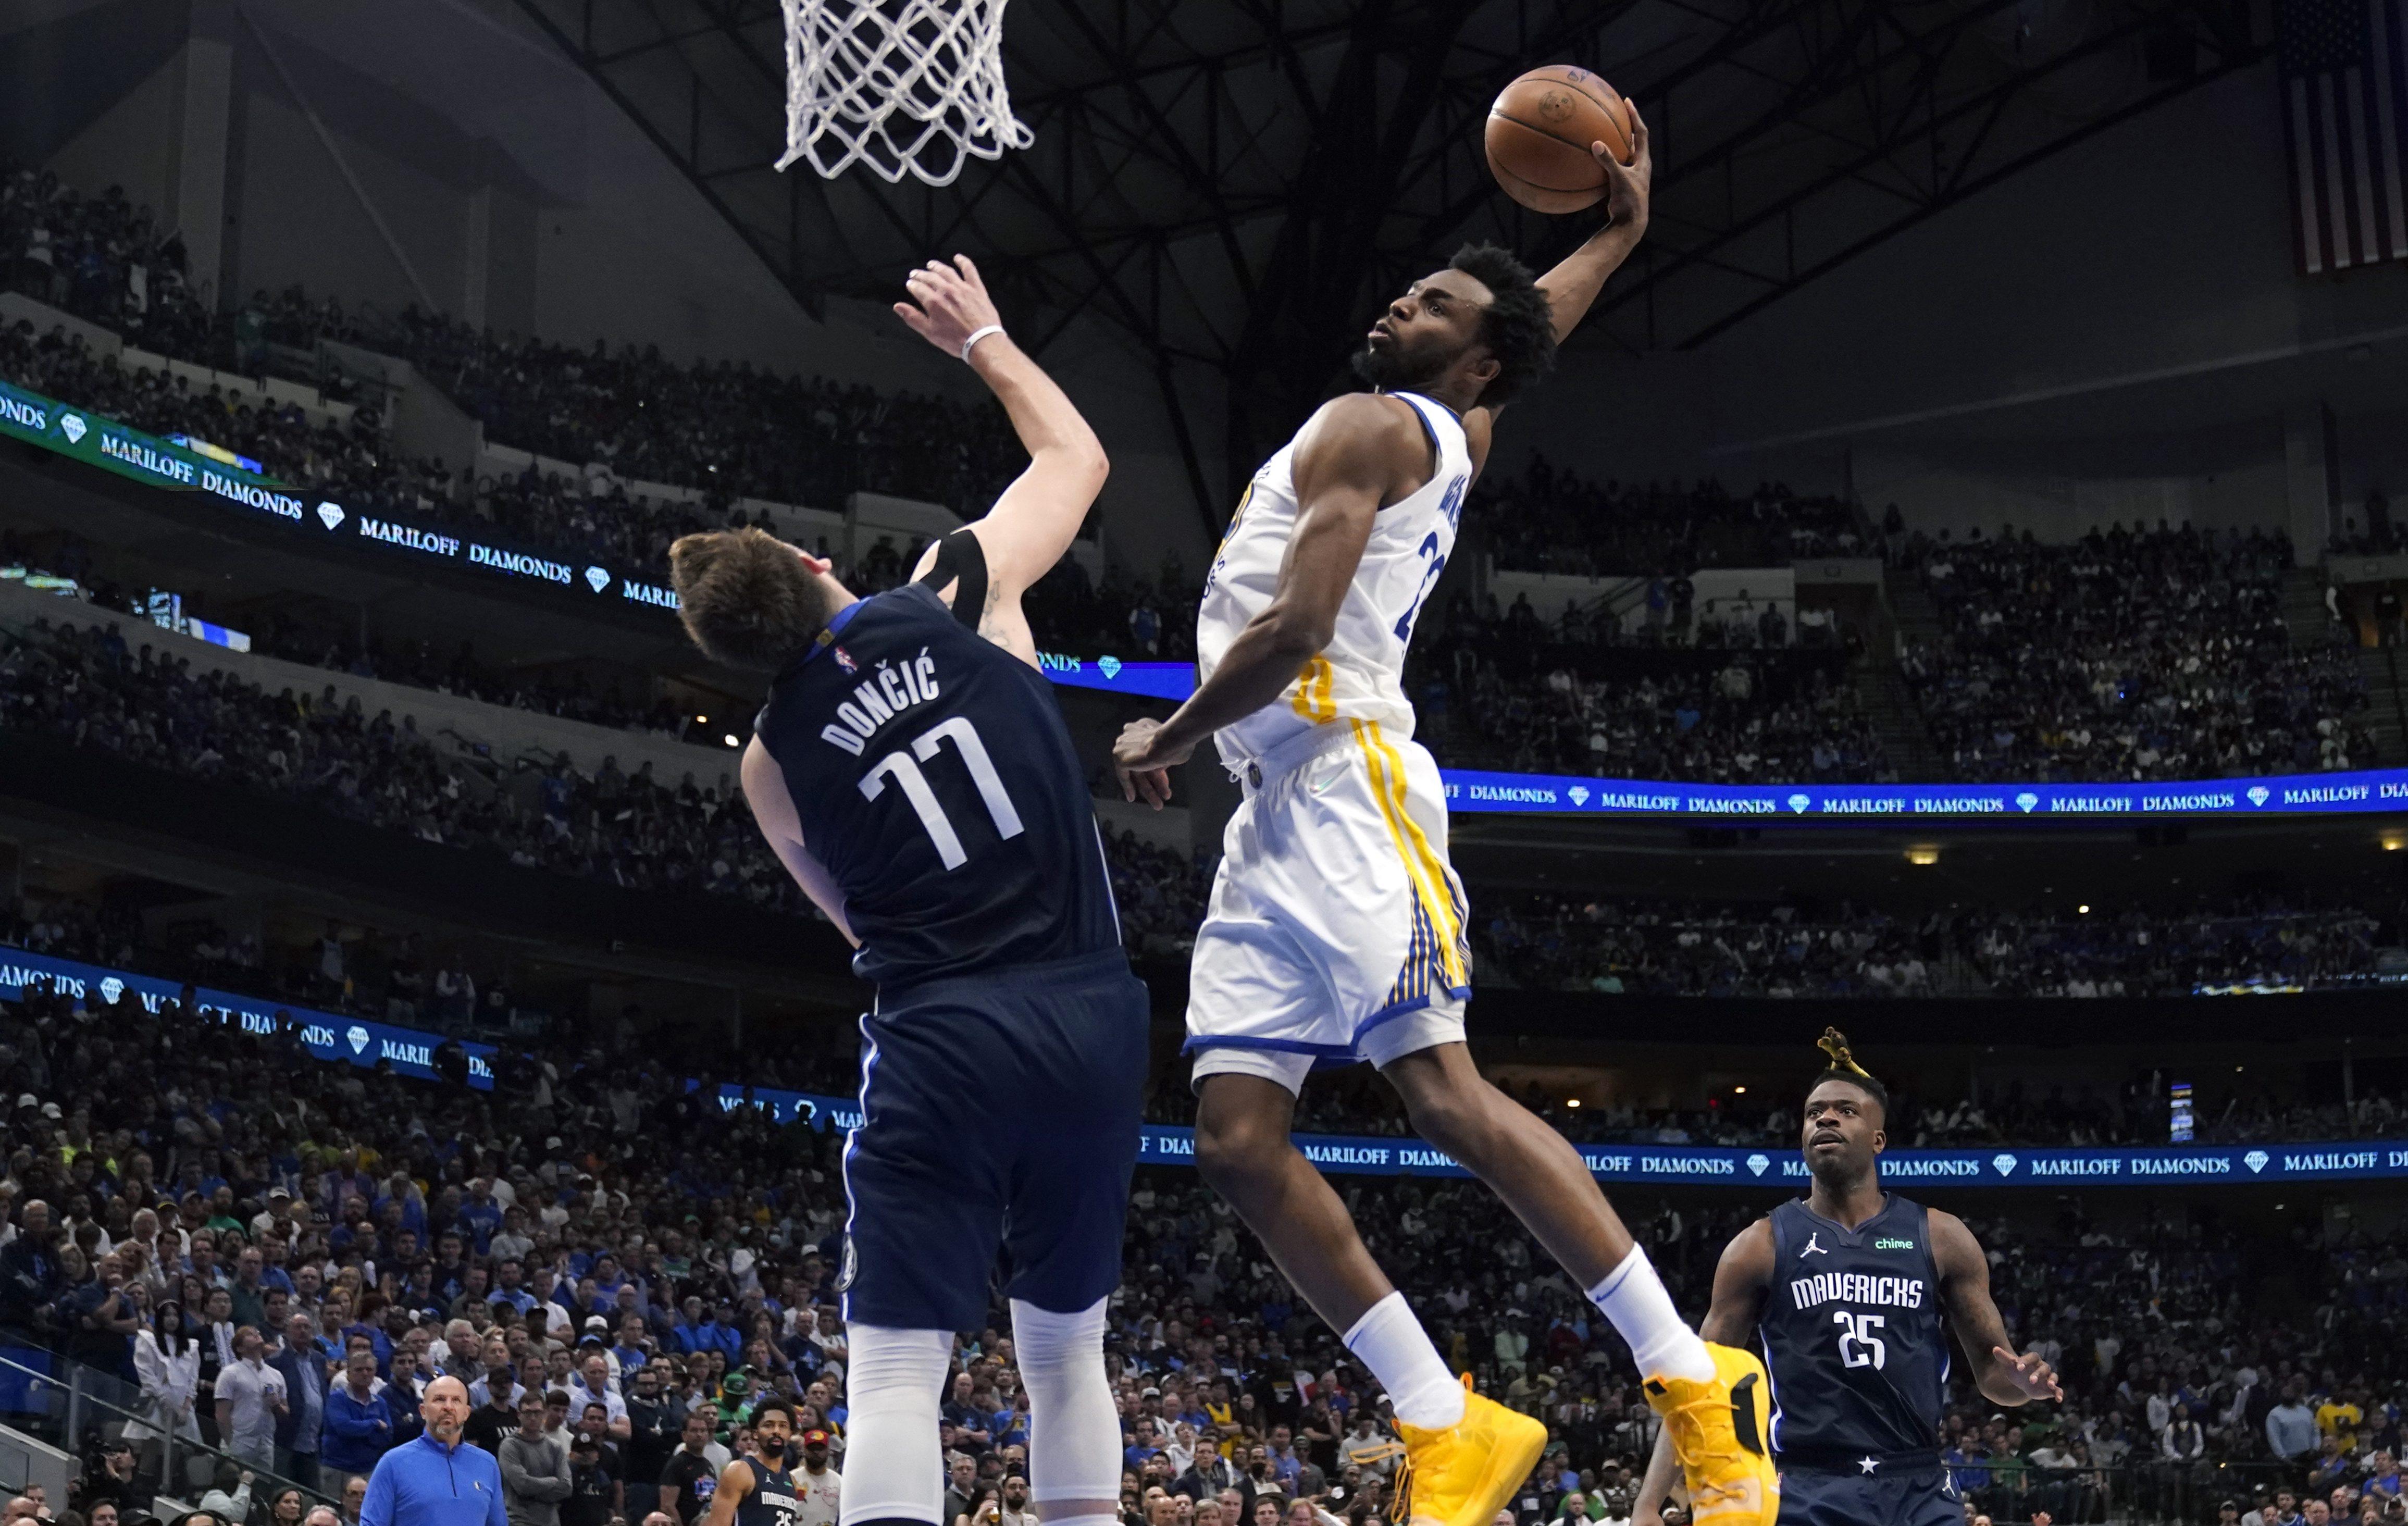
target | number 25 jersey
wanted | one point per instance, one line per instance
(936, 783)
(1854, 1334)
(1360, 673)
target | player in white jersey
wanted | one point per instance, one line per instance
(1336, 927)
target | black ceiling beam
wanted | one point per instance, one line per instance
(1959, 188)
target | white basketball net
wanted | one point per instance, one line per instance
(904, 87)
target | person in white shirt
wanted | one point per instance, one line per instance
(591, 1384)
(251, 1398)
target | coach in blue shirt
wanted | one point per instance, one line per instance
(438, 1479)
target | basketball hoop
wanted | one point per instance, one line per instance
(904, 87)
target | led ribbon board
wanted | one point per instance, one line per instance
(334, 1038)
(1711, 1165)
(154, 462)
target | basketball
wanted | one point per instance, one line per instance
(1538, 135)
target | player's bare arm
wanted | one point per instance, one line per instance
(1038, 515)
(1356, 456)
(2002, 1377)
(1573, 285)
(1741, 1278)
(773, 809)
(735, 1482)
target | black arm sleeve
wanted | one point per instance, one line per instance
(961, 559)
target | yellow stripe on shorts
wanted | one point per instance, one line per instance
(1430, 882)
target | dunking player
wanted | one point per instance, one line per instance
(913, 775)
(1335, 932)
(1855, 1291)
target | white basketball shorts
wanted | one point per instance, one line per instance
(1335, 930)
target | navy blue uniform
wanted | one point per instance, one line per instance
(1856, 1344)
(771, 1502)
(1003, 1067)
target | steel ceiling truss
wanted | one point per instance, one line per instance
(1887, 116)
(1236, 183)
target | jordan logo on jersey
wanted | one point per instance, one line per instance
(1812, 1248)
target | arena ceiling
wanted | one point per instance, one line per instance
(1234, 183)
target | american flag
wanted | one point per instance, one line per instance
(2348, 98)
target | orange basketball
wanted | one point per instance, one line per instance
(1539, 135)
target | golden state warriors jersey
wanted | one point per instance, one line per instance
(1360, 673)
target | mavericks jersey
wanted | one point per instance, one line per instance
(1853, 1336)
(936, 784)
(772, 1501)
(1360, 674)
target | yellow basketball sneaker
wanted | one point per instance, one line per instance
(1719, 1432)
(1464, 1475)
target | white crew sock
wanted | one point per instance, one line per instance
(1394, 1345)
(1633, 1297)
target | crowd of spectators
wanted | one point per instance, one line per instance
(1738, 720)
(732, 429)
(102, 258)
(213, 1217)
(2131, 654)
(91, 685)
(1550, 519)
(1549, 940)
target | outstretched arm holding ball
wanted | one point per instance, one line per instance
(1573, 285)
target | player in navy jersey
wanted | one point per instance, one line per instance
(913, 775)
(757, 1490)
(1854, 1292)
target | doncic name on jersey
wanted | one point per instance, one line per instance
(890, 690)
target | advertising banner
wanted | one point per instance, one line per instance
(326, 1035)
(329, 1036)
(102, 442)
(1714, 1165)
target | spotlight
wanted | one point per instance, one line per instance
(730, 740)
(1923, 856)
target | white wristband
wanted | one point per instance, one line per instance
(977, 333)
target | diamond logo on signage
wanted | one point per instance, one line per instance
(1799, 804)
(1579, 794)
(2005, 1162)
(2256, 1161)
(330, 514)
(598, 577)
(1758, 1163)
(110, 989)
(2259, 795)
(359, 1037)
(73, 427)
(2026, 801)
(1111, 664)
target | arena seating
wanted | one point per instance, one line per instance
(407, 1200)
(1554, 940)
(2181, 667)
(2131, 654)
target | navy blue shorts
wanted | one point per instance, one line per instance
(999, 1114)
(1920, 1497)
